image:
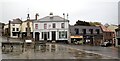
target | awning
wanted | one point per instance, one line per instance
(76, 36)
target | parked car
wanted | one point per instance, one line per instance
(106, 44)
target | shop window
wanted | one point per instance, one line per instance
(63, 34)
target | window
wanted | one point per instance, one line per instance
(62, 25)
(45, 26)
(13, 24)
(36, 26)
(28, 29)
(54, 26)
(91, 31)
(14, 34)
(48, 35)
(17, 29)
(98, 31)
(63, 34)
(84, 31)
(76, 31)
(13, 29)
(110, 33)
(42, 35)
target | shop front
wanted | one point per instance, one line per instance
(77, 39)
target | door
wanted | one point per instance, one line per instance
(53, 35)
(45, 36)
(36, 36)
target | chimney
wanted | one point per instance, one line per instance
(28, 16)
(36, 16)
(51, 15)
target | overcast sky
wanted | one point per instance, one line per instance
(104, 11)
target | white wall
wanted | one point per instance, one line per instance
(11, 29)
(50, 29)
(58, 25)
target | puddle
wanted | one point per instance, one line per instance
(46, 51)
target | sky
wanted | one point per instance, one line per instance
(104, 11)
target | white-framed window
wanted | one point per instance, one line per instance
(13, 29)
(36, 26)
(54, 25)
(17, 29)
(45, 26)
(62, 34)
(62, 25)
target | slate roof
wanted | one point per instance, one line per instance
(52, 18)
(16, 21)
(30, 20)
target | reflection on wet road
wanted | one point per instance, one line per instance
(46, 51)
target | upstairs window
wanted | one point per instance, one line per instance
(91, 31)
(76, 31)
(54, 26)
(62, 25)
(98, 31)
(13, 29)
(84, 31)
(45, 26)
(36, 26)
(17, 29)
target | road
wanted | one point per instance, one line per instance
(112, 52)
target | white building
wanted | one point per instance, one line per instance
(15, 28)
(51, 28)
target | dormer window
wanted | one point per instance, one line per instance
(13, 24)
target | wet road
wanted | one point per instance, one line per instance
(105, 51)
(60, 51)
(48, 51)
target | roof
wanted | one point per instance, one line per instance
(29, 20)
(112, 27)
(118, 29)
(16, 21)
(104, 29)
(52, 18)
